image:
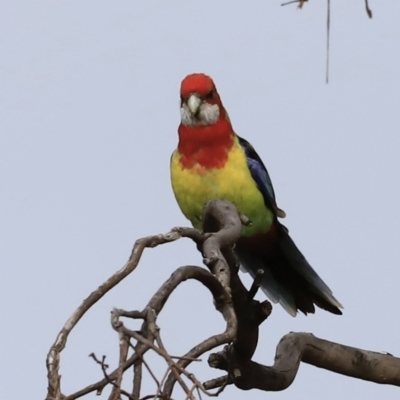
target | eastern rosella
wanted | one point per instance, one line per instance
(212, 162)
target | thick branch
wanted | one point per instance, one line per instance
(243, 315)
(296, 347)
(223, 220)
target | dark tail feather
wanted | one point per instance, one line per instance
(288, 278)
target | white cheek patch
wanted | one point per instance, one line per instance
(186, 116)
(208, 115)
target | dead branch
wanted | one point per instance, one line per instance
(154, 307)
(53, 356)
(222, 303)
(296, 347)
(123, 354)
(222, 219)
(328, 27)
(367, 9)
(243, 315)
(104, 367)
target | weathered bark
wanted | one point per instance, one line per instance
(243, 316)
(296, 347)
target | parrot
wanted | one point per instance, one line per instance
(212, 162)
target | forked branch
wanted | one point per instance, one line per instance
(243, 315)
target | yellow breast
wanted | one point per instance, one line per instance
(194, 187)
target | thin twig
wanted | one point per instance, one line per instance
(328, 34)
(171, 363)
(100, 385)
(198, 385)
(164, 378)
(120, 327)
(301, 2)
(189, 395)
(187, 358)
(104, 366)
(149, 370)
(199, 393)
(367, 9)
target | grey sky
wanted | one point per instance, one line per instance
(89, 112)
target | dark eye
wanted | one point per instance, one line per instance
(210, 94)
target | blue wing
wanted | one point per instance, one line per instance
(261, 177)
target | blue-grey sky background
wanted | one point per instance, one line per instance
(89, 113)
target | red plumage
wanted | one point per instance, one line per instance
(207, 146)
(199, 83)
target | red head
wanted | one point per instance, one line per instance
(205, 133)
(200, 102)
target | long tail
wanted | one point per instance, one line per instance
(288, 278)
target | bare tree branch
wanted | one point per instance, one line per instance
(219, 382)
(123, 354)
(328, 28)
(296, 347)
(328, 37)
(222, 303)
(221, 218)
(101, 384)
(53, 357)
(243, 315)
(104, 367)
(367, 9)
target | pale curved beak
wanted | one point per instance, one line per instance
(194, 103)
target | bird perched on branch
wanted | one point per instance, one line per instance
(212, 162)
